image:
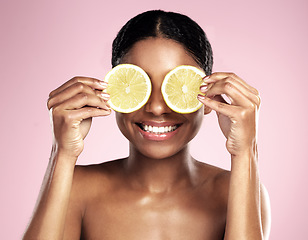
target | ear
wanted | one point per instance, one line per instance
(207, 110)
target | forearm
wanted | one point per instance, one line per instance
(49, 216)
(244, 208)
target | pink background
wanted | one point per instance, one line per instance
(44, 43)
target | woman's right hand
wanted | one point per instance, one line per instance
(72, 107)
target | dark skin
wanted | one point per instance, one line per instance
(159, 191)
(125, 209)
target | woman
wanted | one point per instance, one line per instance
(159, 191)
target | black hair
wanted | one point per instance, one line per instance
(170, 25)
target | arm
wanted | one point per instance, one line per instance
(72, 106)
(248, 215)
(50, 213)
(248, 206)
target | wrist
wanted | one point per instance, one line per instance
(62, 156)
(246, 155)
(248, 149)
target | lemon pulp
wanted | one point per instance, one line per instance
(181, 87)
(129, 88)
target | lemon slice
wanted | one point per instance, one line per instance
(129, 88)
(181, 87)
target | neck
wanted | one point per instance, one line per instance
(160, 175)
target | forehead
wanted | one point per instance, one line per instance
(158, 55)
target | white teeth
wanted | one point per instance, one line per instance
(158, 130)
(155, 129)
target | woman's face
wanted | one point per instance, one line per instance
(171, 131)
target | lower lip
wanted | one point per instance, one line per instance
(157, 137)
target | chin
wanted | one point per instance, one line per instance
(159, 152)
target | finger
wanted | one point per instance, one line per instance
(88, 112)
(78, 115)
(91, 82)
(219, 107)
(220, 75)
(230, 90)
(72, 90)
(83, 100)
(68, 93)
(222, 98)
(251, 93)
(103, 95)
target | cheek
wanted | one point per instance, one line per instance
(191, 127)
(122, 121)
(197, 118)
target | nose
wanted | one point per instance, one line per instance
(156, 103)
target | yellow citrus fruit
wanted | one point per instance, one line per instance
(129, 88)
(181, 87)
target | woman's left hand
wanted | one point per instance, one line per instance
(238, 119)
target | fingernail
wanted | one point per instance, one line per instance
(104, 84)
(107, 107)
(204, 88)
(207, 79)
(201, 97)
(105, 96)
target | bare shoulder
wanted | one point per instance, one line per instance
(217, 179)
(90, 180)
(214, 173)
(102, 169)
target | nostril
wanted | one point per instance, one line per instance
(157, 105)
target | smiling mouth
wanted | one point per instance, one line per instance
(157, 129)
